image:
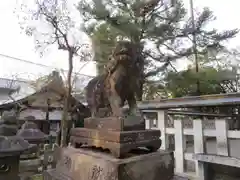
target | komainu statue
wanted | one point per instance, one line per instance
(122, 80)
(120, 131)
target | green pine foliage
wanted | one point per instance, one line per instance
(164, 25)
(161, 26)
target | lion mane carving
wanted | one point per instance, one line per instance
(121, 81)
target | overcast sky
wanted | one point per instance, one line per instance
(14, 43)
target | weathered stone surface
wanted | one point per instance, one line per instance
(218, 167)
(9, 167)
(29, 125)
(11, 146)
(122, 80)
(8, 124)
(9, 117)
(30, 132)
(127, 123)
(221, 172)
(8, 130)
(85, 164)
(117, 142)
(117, 136)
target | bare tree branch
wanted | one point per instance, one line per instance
(60, 27)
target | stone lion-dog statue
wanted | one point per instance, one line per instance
(121, 81)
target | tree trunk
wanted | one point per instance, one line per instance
(67, 96)
(47, 125)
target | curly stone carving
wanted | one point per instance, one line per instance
(121, 81)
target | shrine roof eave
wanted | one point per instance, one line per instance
(9, 105)
(12, 104)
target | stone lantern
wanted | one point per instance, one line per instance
(30, 132)
(11, 147)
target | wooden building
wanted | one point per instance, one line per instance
(42, 102)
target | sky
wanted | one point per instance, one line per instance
(13, 42)
(16, 44)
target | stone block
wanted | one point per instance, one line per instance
(86, 164)
(128, 123)
(117, 142)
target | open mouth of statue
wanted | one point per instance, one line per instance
(124, 52)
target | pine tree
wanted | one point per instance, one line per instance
(104, 41)
(157, 22)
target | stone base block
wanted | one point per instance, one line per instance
(117, 142)
(128, 123)
(85, 164)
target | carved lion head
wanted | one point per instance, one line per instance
(124, 48)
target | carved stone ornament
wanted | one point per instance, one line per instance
(121, 81)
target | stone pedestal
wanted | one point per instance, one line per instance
(86, 164)
(118, 135)
(117, 142)
(127, 123)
